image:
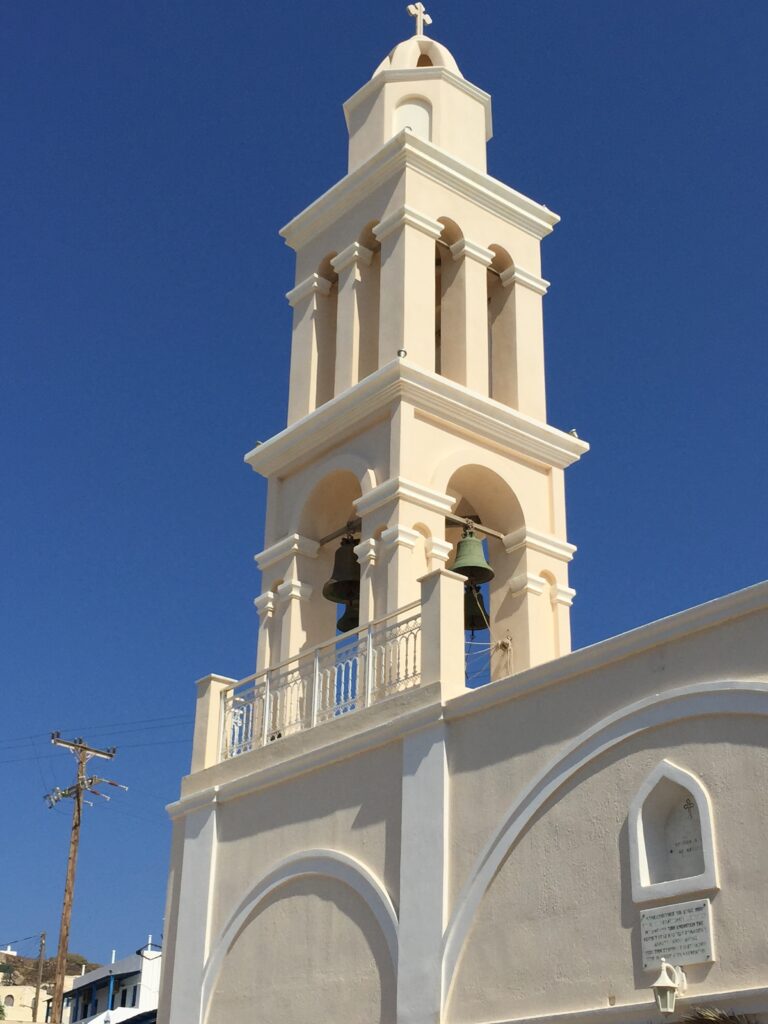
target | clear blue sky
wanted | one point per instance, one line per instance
(151, 151)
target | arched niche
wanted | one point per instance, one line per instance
(414, 113)
(448, 305)
(671, 836)
(369, 303)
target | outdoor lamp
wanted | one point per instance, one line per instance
(670, 981)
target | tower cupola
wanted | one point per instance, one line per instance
(418, 87)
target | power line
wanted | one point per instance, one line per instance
(118, 726)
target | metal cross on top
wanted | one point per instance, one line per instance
(418, 12)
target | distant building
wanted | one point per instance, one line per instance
(17, 1002)
(126, 990)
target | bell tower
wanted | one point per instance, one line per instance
(417, 399)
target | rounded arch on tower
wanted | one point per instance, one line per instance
(475, 479)
(325, 502)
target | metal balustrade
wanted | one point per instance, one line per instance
(352, 671)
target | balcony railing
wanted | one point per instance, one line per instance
(333, 679)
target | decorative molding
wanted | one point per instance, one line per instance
(319, 863)
(438, 550)
(351, 256)
(696, 700)
(400, 536)
(387, 75)
(407, 150)
(366, 552)
(643, 889)
(294, 590)
(466, 412)
(293, 544)
(312, 285)
(397, 488)
(527, 583)
(407, 216)
(265, 604)
(559, 594)
(471, 251)
(543, 543)
(516, 275)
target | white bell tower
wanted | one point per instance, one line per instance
(417, 386)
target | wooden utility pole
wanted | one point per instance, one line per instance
(38, 984)
(83, 753)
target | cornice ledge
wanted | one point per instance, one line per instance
(400, 536)
(407, 215)
(541, 542)
(312, 285)
(562, 595)
(516, 275)
(398, 488)
(527, 583)
(406, 150)
(366, 552)
(352, 255)
(432, 395)
(294, 590)
(472, 251)
(265, 603)
(293, 544)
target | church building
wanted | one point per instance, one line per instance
(423, 806)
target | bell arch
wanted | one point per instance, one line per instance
(671, 836)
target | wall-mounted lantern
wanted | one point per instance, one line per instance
(670, 981)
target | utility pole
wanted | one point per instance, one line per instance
(40, 962)
(83, 783)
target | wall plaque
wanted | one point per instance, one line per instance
(682, 934)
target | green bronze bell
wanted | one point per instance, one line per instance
(350, 619)
(475, 615)
(344, 585)
(470, 559)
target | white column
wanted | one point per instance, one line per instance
(198, 870)
(206, 743)
(465, 317)
(366, 556)
(304, 346)
(348, 266)
(407, 314)
(265, 606)
(442, 631)
(398, 543)
(523, 343)
(423, 876)
(293, 631)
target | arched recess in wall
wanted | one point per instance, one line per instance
(551, 585)
(671, 836)
(448, 305)
(502, 339)
(482, 494)
(414, 113)
(368, 306)
(325, 327)
(330, 505)
(333, 887)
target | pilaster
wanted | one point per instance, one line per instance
(304, 349)
(349, 265)
(464, 349)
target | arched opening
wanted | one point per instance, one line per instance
(671, 835)
(326, 333)
(9, 1001)
(502, 342)
(448, 305)
(368, 308)
(483, 496)
(328, 509)
(415, 114)
(424, 61)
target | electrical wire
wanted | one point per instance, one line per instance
(118, 726)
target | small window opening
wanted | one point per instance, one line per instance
(424, 61)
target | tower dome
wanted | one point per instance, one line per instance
(419, 52)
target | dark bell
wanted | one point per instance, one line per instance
(344, 585)
(470, 559)
(350, 619)
(475, 615)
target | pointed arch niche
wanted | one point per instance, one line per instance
(671, 836)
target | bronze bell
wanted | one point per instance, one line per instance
(470, 559)
(350, 619)
(344, 585)
(475, 615)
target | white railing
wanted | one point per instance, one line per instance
(343, 675)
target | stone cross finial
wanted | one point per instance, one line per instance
(418, 12)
